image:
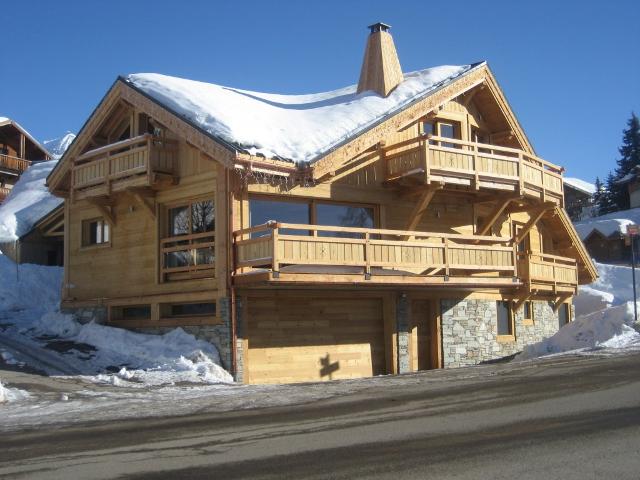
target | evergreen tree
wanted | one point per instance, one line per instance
(598, 197)
(608, 203)
(617, 193)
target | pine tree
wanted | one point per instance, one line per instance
(598, 197)
(608, 203)
(617, 194)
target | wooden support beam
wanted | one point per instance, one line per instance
(467, 97)
(150, 209)
(529, 225)
(107, 212)
(494, 215)
(421, 207)
(519, 301)
(560, 300)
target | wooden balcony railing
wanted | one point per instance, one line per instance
(277, 247)
(15, 164)
(477, 165)
(549, 269)
(144, 155)
(4, 193)
(187, 256)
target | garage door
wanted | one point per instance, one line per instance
(310, 339)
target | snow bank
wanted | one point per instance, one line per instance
(29, 300)
(27, 203)
(294, 127)
(57, 146)
(604, 317)
(8, 395)
(608, 224)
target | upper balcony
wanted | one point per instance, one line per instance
(13, 165)
(143, 161)
(478, 166)
(282, 253)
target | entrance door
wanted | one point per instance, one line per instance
(424, 343)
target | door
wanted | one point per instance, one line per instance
(424, 343)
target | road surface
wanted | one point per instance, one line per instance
(564, 418)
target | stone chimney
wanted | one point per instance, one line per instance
(381, 71)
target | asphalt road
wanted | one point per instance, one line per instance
(567, 418)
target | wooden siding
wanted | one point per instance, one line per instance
(296, 339)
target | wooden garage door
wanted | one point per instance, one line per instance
(310, 339)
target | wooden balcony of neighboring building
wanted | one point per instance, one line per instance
(475, 166)
(4, 193)
(13, 165)
(143, 161)
(283, 253)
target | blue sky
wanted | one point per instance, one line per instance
(570, 69)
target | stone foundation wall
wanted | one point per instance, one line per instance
(470, 330)
(86, 314)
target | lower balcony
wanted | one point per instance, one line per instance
(4, 193)
(13, 165)
(283, 253)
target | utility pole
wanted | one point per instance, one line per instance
(632, 231)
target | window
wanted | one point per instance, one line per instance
(197, 309)
(523, 245)
(188, 249)
(262, 210)
(444, 129)
(343, 216)
(130, 312)
(527, 309)
(505, 319)
(563, 315)
(95, 232)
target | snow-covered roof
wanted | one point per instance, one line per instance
(28, 202)
(300, 128)
(58, 146)
(581, 185)
(609, 224)
(7, 121)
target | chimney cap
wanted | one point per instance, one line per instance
(379, 27)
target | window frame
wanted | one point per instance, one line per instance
(85, 233)
(567, 308)
(531, 318)
(506, 337)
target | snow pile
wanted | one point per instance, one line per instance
(609, 224)
(29, 302)
(57, 146)
(580, 184)
(604, 317)
(8, 395)
(27, 203)
(295, 127)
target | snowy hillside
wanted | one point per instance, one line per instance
(294, 127)
(35, 333)
(58, 146)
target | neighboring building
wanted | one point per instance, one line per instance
(18, 149)
(632, 180)
(578, 198)
(400, 225)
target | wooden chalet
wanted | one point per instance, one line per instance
(430, 235)
(18, 149)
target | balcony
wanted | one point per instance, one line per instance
(548, 272)
(143, 161)
(284, 253)
(477, 166)
(280, 253)
(13, 165)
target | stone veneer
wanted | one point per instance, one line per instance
(469, 330)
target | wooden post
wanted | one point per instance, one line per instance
(275, 265)
(367, 256)
(520, 173)
(426, 162)
(446, 257)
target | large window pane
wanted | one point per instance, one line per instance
(179, 221)
(448, 130)
(263, 210)
(343, 216)
(202, 217)
(504, 318)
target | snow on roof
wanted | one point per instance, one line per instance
(4, 119)
(581, 185)
(27, 203)
(58, 146)
(608, 224)
(294, 127)
(7, 120)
